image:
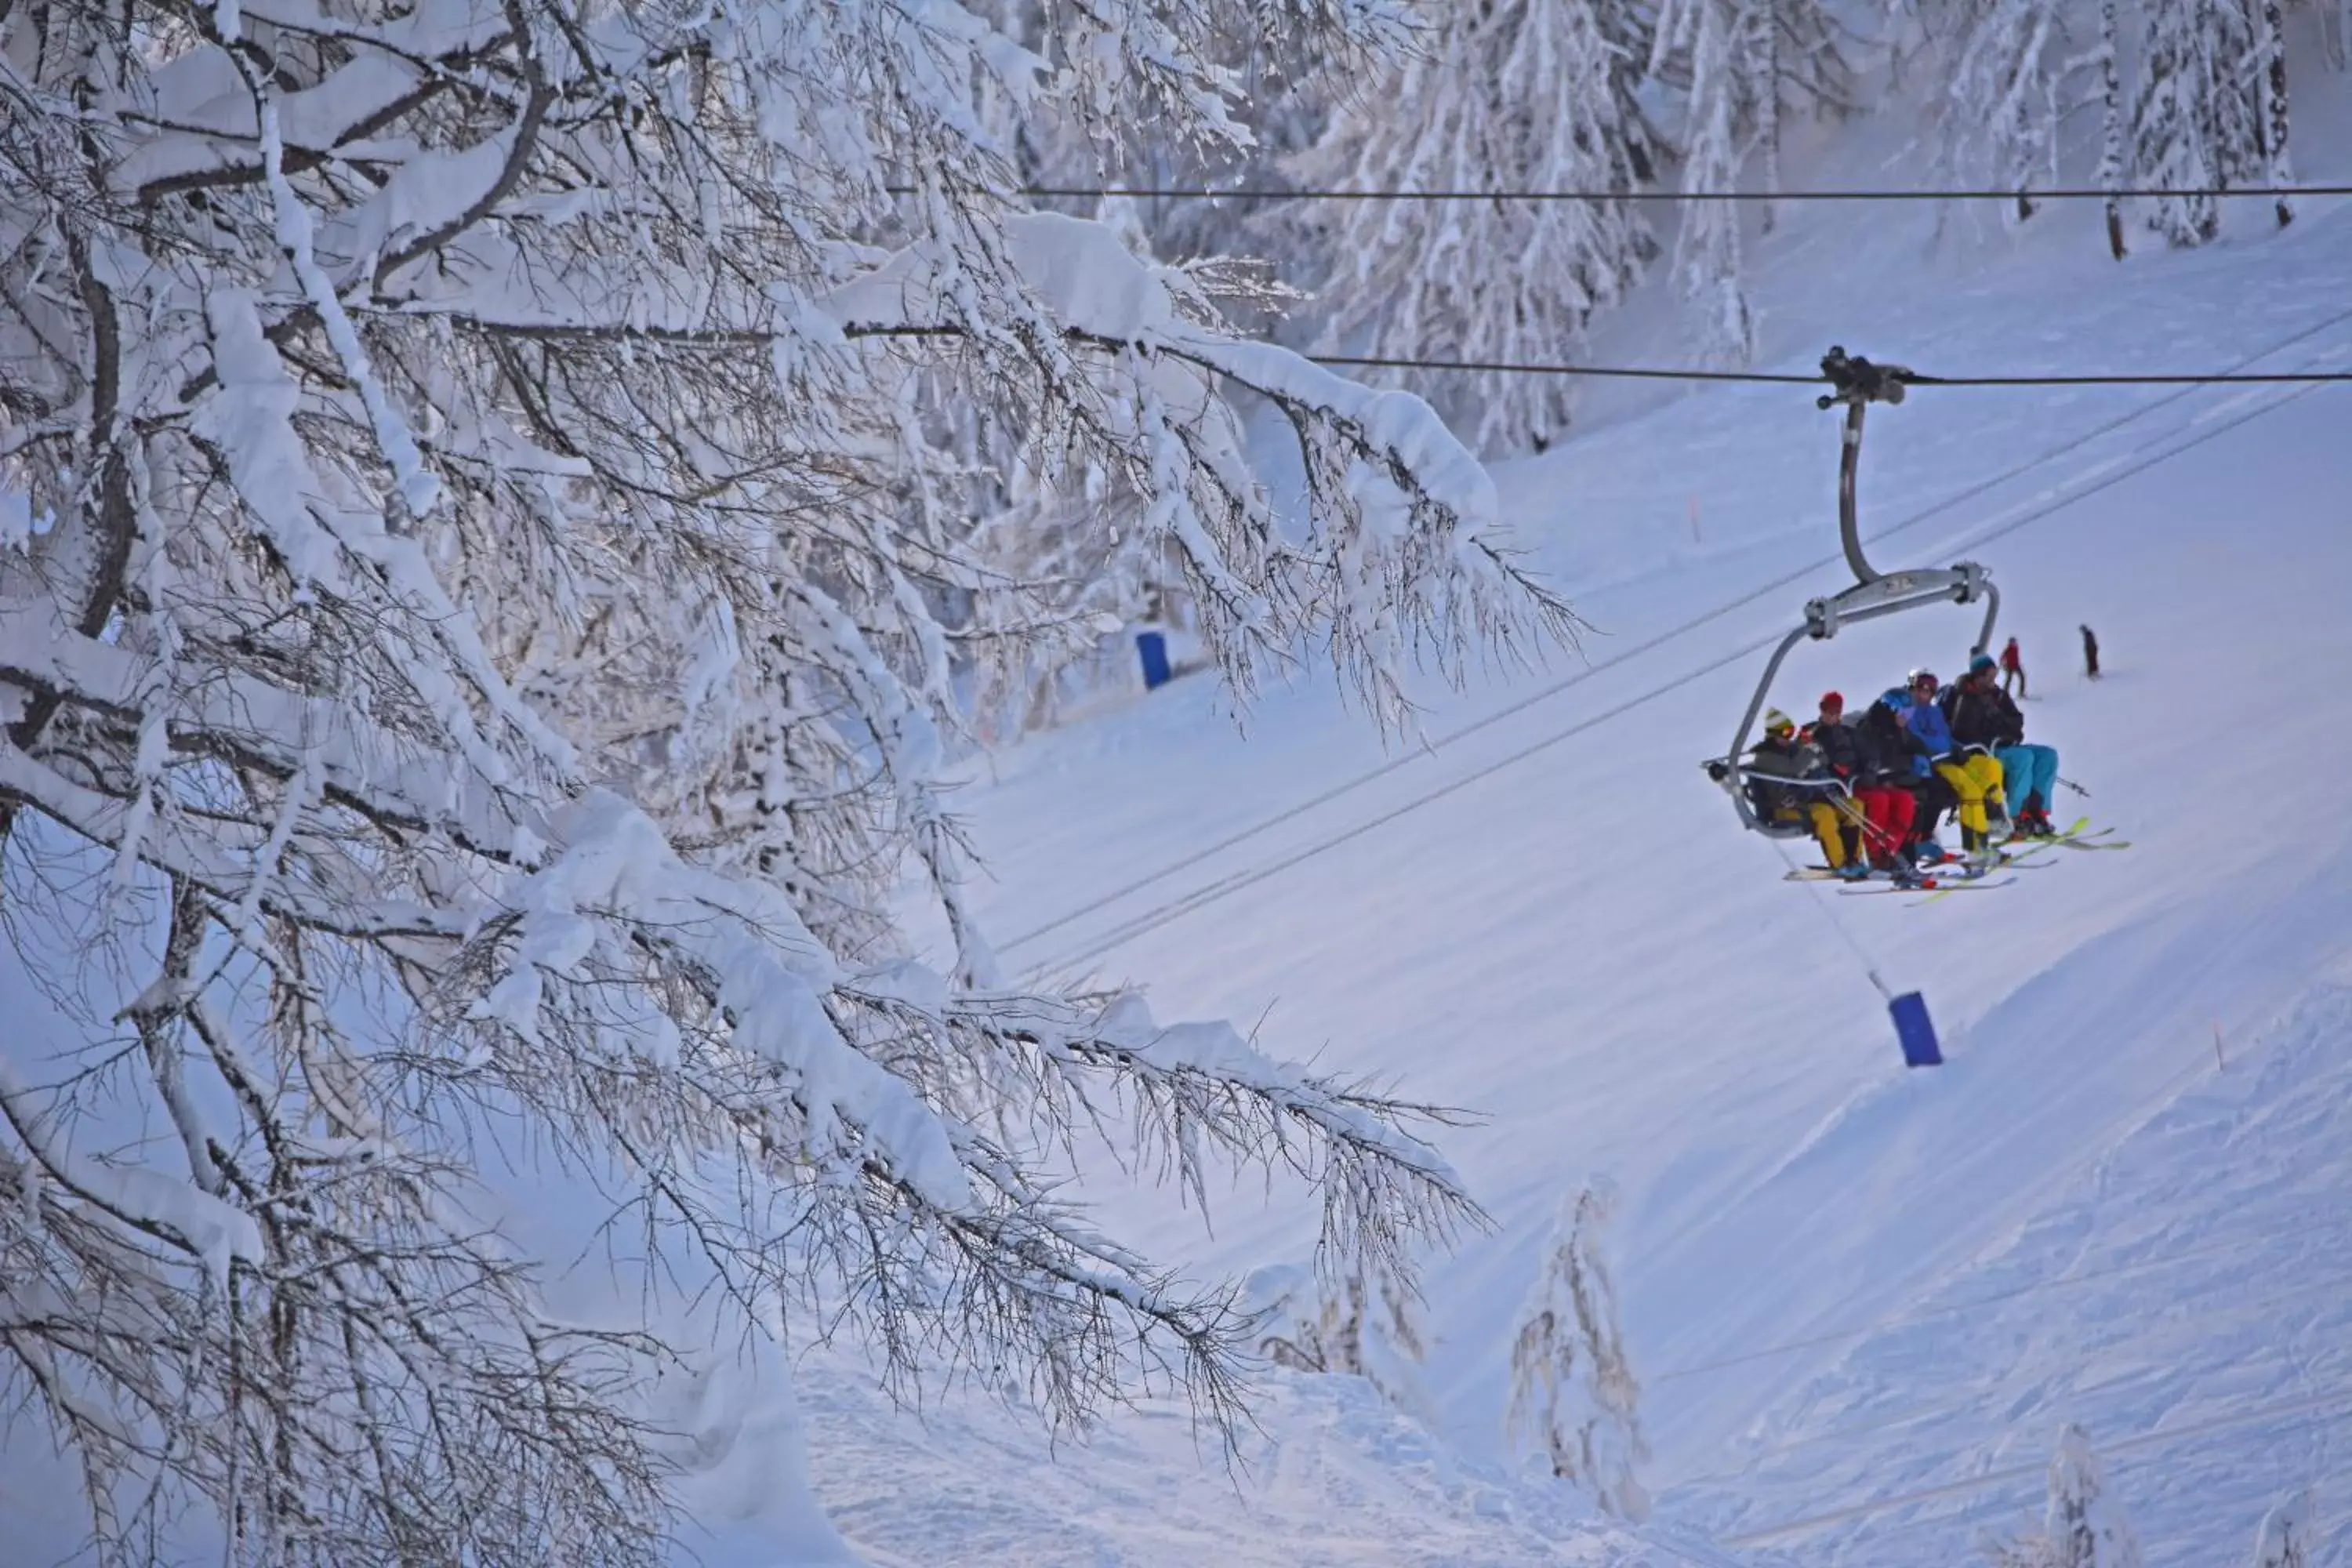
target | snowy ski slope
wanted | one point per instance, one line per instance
(1549, 917)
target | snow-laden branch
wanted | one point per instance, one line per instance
(505, 556)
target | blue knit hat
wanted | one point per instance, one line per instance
(1896, 697)
(1982, 662)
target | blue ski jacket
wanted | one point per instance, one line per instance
(1927, 723)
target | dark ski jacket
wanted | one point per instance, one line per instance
(1898, 756)
(1982, 715)
(1850, 750)
(1774, 768)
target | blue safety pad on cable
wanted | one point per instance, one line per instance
(1916, 1030)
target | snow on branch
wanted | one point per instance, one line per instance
(499, 582)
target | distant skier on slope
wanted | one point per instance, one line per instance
(1979, 713)
(2012, 667)
(2090, 653)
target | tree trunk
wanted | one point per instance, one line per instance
(2110, 148)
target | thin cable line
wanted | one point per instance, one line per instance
(1590, 671)
(1625, 372)
(1784, 378)
(1278, 194)
(1154, 918)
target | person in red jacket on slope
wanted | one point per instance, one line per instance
(2012, 667)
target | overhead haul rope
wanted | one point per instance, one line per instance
(1790, 378)
(1179, 907)
(1277, 194)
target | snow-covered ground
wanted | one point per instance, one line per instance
(1863, 1302)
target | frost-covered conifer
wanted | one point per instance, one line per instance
(1713, 39)
(1361, 1318)
(481, 625)
(2285, 1538)
(2172, 132)
(2083, 1525)
(1527, 95)
(2001, 108)
(2272, 124)
(1573, 1393)
(2107, 57)
(2205, 111)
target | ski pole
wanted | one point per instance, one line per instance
(2078, 789)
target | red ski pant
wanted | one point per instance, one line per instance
(1890, 813)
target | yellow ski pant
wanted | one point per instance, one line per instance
(1972, 778)
(1829, 821)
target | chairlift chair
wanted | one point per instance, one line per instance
(1857, 382)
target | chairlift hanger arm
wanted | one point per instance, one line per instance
(1857, 382)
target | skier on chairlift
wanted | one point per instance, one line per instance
(1979, 713)
(1905, 763)
(1974, 775)
(1789, 782)
(1878, 812)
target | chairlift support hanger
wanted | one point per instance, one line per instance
(1857, 382)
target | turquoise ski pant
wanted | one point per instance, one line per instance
(2029, 771)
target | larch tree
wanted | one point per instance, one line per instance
(1526, 95)
(478, 649)
(1573, 1392)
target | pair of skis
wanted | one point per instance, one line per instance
(1963, 876)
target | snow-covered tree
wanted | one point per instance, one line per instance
(2204, 113)
(1999, 109)
(2172, 131)
(2285, 1538)
(2105, 57)
(473, 671)
(1529, 95)
(1359, 1317)
(1722, 94)
(1573, 1392)
(2271, 110)
(2083, 1526)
